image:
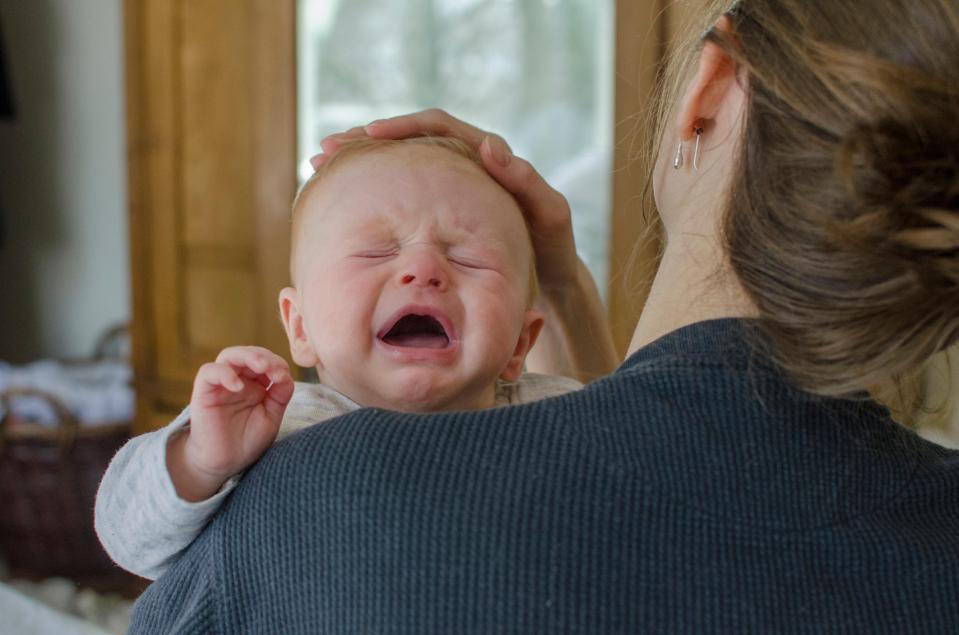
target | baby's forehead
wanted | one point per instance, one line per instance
(386, 183)
(398, 156)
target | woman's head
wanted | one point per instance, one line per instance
(841, 217)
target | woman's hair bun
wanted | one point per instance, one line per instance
(902, 180)
(843, 214)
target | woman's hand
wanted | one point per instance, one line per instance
(546, 210)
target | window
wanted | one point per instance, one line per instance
(538, 72)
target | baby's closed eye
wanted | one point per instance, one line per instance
(377, 253)
(468, 262)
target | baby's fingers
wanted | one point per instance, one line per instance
(264, 367)
(213, 376)
(279, 394)
(256, 363)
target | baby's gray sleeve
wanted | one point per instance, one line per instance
(140, 520)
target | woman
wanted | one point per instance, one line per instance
(731, 475)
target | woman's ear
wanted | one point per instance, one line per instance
(300, 346)
(707, 92)
(532, 325)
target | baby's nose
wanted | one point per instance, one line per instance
(425, 269)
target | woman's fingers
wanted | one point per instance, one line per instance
(433, 121)
(546, 211)
(331, 143)
(426, 122)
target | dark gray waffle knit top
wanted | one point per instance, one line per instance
(694, 490)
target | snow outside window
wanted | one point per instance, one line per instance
(538, 72)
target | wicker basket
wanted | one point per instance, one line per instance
(48, 483)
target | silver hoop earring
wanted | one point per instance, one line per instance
(678, 161)
(699, 134)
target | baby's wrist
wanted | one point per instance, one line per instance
(192, 483)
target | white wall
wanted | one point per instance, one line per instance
(64, 265)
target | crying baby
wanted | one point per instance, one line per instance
(414, 278)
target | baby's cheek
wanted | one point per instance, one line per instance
(501, 314)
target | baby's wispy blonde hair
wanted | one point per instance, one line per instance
(363, 146)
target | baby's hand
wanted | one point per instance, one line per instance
(235, 412)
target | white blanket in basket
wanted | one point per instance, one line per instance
(97, 392)
(23, 615)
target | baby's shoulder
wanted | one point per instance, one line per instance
(312, 403)
(534, 386)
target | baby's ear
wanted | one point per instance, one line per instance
(300, 346)
(532, 325)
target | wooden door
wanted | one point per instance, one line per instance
(212, 152)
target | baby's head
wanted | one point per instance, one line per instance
(413, 277)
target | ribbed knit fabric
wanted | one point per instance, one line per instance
(693, 491)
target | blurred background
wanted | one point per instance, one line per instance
(64, 256)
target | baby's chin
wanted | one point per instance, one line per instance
(422, 393)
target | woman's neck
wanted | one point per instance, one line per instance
(694, 283)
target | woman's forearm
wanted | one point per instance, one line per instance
(576, 340)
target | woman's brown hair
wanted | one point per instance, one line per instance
(842, 221)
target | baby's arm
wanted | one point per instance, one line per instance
(140, 521)
(162, 487)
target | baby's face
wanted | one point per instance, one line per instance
(412, 282)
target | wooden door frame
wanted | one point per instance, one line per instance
(634, 241)
(157, 106)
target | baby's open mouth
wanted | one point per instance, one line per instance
(417, 331)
